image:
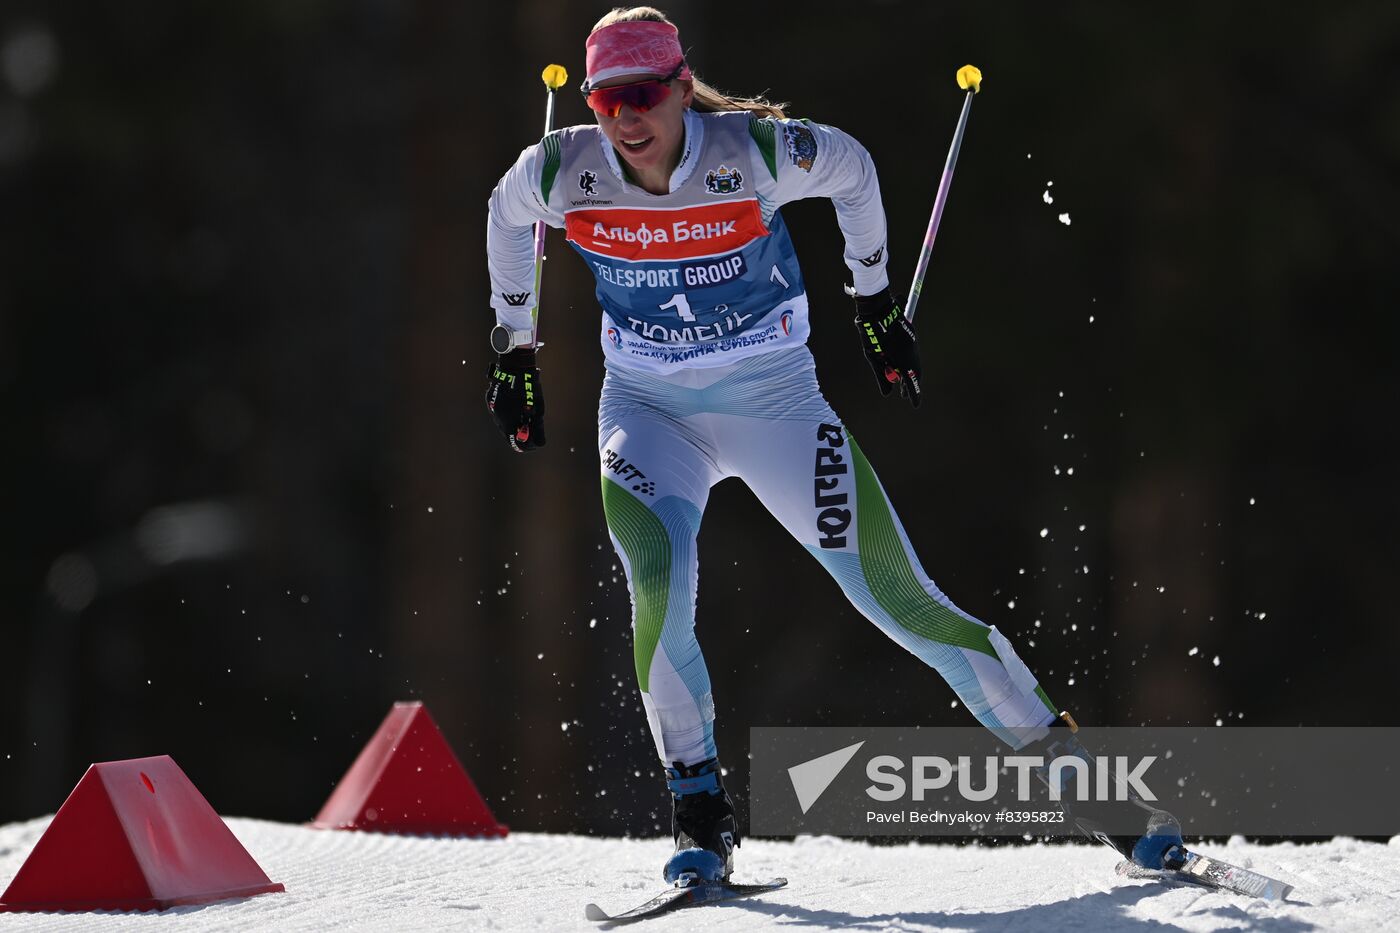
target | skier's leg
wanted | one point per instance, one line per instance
(655, 485)
(891, 587)
(815, 480)
(656, 478)
(845, 519)
(976, 659)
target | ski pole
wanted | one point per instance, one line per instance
(554, 77)
(970, 80)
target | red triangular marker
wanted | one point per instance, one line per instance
(407, 780)
(134, 835)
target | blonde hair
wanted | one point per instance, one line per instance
(707, 98)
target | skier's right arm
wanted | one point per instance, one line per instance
(514, 390)
(516, 203)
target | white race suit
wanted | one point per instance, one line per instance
(708, 376)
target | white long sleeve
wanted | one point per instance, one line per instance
(813, 160)
(515, 205)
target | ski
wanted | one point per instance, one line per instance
(692, 895)
(1211, 873)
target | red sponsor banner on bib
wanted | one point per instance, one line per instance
(682, 233)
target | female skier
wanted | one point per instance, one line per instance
(673, 202)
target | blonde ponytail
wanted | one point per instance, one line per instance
(709, 100)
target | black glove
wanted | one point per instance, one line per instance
(515, 398)
(889, 344)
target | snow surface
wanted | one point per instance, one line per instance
(531, 881)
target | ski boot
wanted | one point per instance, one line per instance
(1158, 846)
(702, 822)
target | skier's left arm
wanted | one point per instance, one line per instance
(812, 160)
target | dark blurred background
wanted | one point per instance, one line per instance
(252, 495)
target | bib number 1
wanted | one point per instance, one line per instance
(682, 306)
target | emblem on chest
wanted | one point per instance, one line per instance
(723, 180)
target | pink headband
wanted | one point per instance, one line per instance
(642, 47)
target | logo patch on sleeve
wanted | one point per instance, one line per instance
(801, 145)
